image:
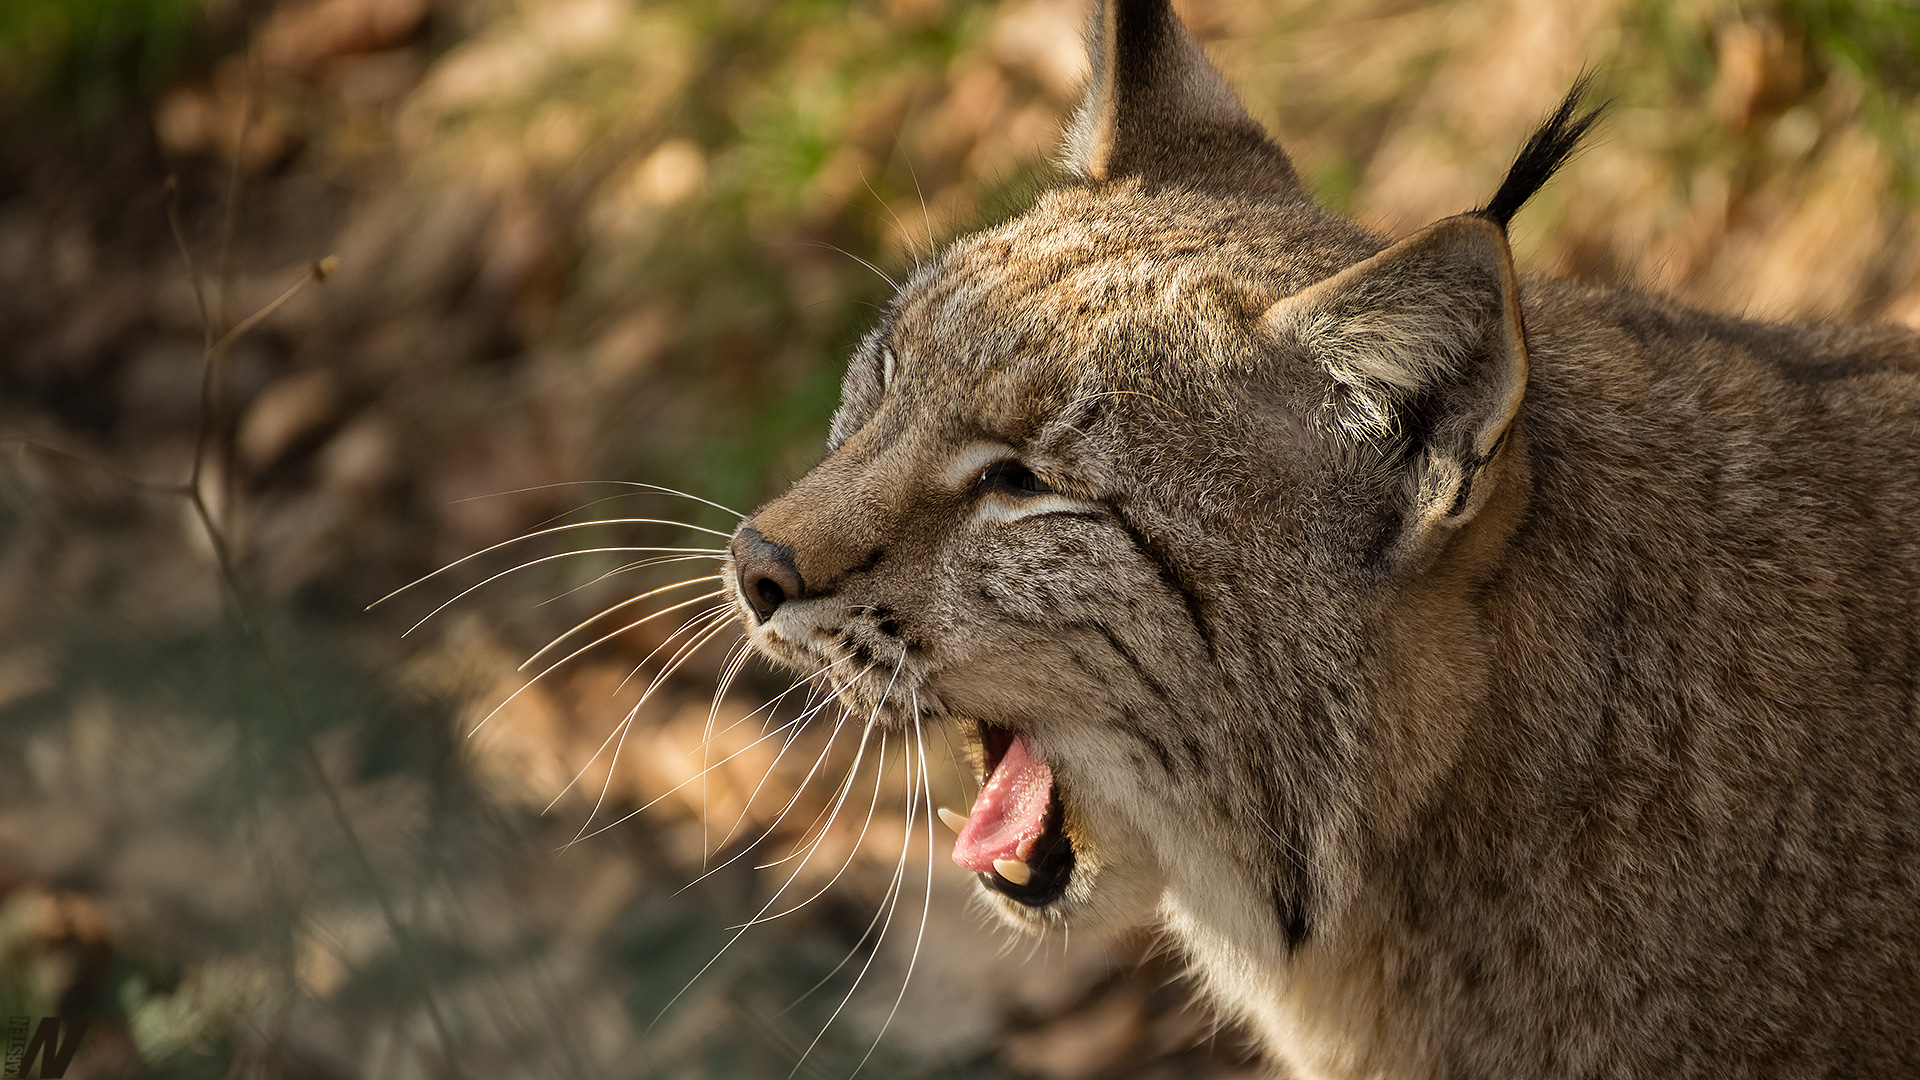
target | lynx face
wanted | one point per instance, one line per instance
(1120, 488)
(1049, 413)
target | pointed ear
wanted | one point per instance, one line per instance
(1427, 363)
(1155, 109)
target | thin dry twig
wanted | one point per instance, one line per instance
(214, 352)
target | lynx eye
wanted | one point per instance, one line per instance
(1009, 477)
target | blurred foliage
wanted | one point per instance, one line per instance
(1782, 54)
(85, 58)
(739, 165)
(1876, 41)
(617, 241)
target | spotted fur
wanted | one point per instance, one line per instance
(1477, 676)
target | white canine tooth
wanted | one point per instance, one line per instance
(953, 821)
(1013, 870)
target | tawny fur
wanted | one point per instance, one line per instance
(1478, 677)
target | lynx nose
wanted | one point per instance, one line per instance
(768, 577)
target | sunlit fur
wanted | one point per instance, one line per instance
(1477, 676)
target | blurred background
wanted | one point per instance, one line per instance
(257, 830)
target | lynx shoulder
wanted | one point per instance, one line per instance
(1477, 675)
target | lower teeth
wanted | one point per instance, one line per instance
(1013, 870)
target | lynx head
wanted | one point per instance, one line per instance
(1161, 492)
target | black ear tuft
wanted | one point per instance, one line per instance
(1551, 144)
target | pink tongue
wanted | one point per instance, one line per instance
(1011, 812)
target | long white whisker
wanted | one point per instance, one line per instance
(925, 213)
(823, 822)
(656, 800)
(851, 772)
(813, 678)
(716, 623)
(639, 564)
(620, 730)
(800, 789)
(617, 732)
(892, 900)
(588, 505)
(715, 617)
(675, 491)
(623, 729)
(960, 768)
(748, 925)
(616, 483)
(871, 923)
(894, 285)
(705, 625)
(735, 662)
(528, 565)
(854, 848)
(809, 837)
(926, 901)
(844, 961)
(912, 248)
(556, 665)
(551, 530)
(729, 665)
(807, 711)
(793, 737)
(730, 669)
(686, 653)
(642, 621)
(836, 809)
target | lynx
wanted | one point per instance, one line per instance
(1476, 675)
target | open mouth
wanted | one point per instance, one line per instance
(1013, 839)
